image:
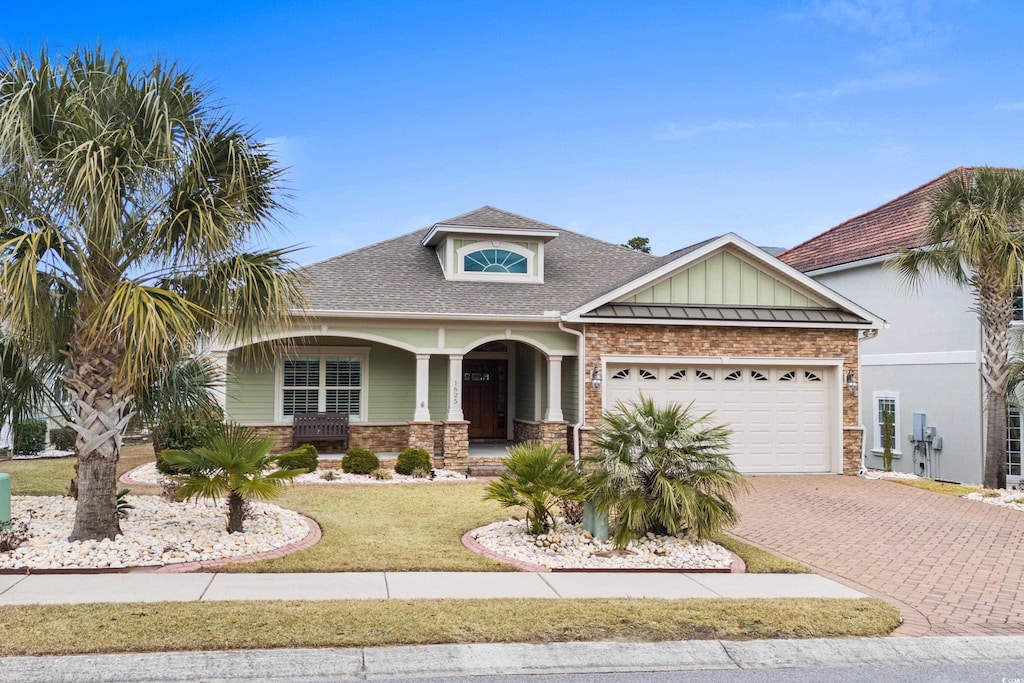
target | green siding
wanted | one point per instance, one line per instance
(392, 384)
(250, 390)
(724, 279)
(570, 389)
(526, 358)
(442, 249)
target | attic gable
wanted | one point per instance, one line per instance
(724, 278)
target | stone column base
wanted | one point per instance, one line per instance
(553, 431)
(455, 449)
(421, 435)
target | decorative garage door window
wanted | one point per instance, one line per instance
(325, 383)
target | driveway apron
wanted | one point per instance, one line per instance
(954, 565)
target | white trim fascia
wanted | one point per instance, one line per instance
(405, 315)
(921, 358)
(758, 255)
(722, 323)
(447, 229)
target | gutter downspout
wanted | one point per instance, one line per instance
(581, 398)
(868, 334)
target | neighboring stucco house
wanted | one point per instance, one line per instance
(928, 360)
(492, 327)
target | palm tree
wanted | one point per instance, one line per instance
(663, 470)
(236, 463)
(127, 201)
(538, 479)
(28, 385)
(975, 238)
(179, 398)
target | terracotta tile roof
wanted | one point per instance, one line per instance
(892, 226)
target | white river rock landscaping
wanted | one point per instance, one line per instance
(157, 532)
(569, 547)
(1002, 498)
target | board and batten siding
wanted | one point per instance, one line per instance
(725, 279)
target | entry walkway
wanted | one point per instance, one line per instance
(151, 587)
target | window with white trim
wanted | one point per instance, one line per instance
(1013, 442)
(332, 381)
(497, 260)
(886, 401)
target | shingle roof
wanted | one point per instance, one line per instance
(892, 226)
(772, 314)
(490, 217)
(401, 275)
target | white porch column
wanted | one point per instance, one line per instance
(455, 389)
(422, 413)
(554, 411)
(219, 387)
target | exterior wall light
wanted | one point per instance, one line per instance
(851, 382)
(595, 377)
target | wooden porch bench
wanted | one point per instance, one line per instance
(312, 428)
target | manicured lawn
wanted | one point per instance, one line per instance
(51, 476)
(395, 527)
(151, 627)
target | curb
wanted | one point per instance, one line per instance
(331, 664)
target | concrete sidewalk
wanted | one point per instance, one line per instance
(331, 664)
(150, 587)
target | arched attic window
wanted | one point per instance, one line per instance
(487, 260)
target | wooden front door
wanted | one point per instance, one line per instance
(484, 387)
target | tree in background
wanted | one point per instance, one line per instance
(128, 203)
(975, 238)
(641, 244)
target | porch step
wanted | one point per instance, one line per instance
(486, 470)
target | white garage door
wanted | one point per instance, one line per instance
(781, 417)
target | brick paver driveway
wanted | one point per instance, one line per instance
(954, 566)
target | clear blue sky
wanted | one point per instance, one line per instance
(675, 120)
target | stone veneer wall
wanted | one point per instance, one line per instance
(378, 438)
(763, 342)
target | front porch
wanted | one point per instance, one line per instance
(465, 408)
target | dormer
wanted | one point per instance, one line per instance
(490, 245)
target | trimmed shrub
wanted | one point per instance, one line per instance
(360, 461)
(412, 459)
(29, 436)
(63, 438)
(185, 432)
(302, 458)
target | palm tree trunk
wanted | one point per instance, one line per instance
(101, 414)
(235, 513)
(995, 312)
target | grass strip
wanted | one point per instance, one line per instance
(760, 561)
(155, 627)
(947, 488)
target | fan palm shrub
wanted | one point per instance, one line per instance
(663, 470)
(236, 462)
(538, 479)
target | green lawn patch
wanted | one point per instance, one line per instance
(760, 561)
(154, 627)
(947, 488)
(51, 476)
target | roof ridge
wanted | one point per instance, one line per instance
(883, 205)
